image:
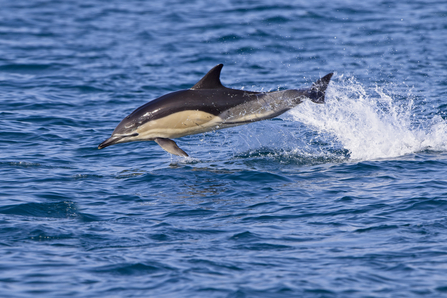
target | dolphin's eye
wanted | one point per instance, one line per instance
(133, 135)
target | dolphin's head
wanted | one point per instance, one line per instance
(125, 132)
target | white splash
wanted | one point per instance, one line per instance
(373, 126)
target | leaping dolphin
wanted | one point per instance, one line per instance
(207, 106)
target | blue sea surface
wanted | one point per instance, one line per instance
(345, 199)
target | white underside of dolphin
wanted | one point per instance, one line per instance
(207, 106)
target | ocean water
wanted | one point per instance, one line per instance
(345, 199)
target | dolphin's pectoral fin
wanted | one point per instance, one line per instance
(170, 146)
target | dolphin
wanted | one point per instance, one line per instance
(207, 106)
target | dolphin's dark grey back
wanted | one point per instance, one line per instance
(207, 100)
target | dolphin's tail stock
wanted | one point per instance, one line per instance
(317, 91)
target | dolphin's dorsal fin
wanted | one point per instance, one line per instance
(211, 80)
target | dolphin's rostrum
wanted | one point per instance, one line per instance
(207, 106)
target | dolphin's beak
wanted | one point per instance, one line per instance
(110, 141)
(116, 139)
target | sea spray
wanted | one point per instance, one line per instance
(372, 124)
(286, 141)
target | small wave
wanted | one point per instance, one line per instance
(32, 68)
(373, 126)
(133, 268)
(64, 209)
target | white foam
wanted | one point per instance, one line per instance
(373, 125)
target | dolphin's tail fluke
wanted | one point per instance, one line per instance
(317, 91)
